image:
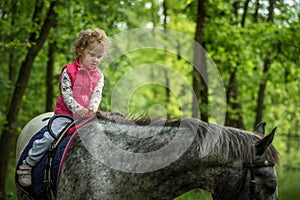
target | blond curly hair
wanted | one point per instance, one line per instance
(88, 36)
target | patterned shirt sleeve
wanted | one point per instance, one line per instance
(67, 93)
(97, 94)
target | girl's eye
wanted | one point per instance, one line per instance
(94, 55)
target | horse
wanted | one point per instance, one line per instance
(114, 158)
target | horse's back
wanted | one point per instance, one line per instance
(32, 127)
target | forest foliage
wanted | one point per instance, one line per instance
(254, 44)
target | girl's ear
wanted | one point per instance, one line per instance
(79, 52)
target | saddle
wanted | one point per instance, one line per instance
(46, 172)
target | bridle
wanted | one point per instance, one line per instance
(251, 166)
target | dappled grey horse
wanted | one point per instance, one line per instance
(111, 158)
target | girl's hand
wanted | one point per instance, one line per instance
(92, 110)
(83, 113)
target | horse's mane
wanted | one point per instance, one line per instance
(221, 142)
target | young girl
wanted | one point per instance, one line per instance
(81, 84)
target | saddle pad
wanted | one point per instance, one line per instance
(36, 190)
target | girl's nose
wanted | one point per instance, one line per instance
(95, 59)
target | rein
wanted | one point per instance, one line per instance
(251, 166)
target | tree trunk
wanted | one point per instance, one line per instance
(9, 133)
(236, 7)
(255, 15)
(167, 80)
(204, 107)
(49, 77)
(234, 115)
(267, 64)
(245, 13)
(261, 91)
(200, 68)
(271, 11)
(12, 67)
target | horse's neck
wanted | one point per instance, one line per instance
(205, 165)
(194, 168)
(185, 175)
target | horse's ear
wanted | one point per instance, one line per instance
(260, 128)
(262, 145)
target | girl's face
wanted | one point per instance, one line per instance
(91, 56)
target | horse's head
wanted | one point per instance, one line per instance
(256, 177)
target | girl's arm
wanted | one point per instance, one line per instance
(97, 95)
(67, 93)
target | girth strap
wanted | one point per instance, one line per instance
(50, 194)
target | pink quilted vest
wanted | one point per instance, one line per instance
(83, 83)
